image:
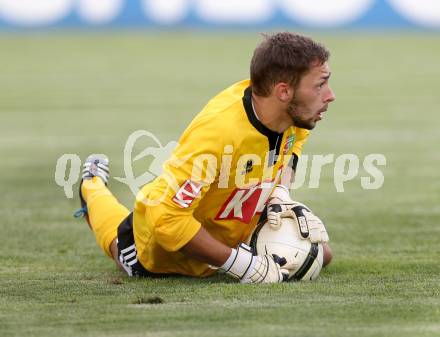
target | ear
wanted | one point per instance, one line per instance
(283, 91)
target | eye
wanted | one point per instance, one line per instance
(321, 84)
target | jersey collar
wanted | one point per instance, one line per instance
(247, 103)
(273, 137)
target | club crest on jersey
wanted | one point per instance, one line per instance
(187, 193)
(289, 143)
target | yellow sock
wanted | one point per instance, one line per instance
(104, 211)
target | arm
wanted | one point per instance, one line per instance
(239, 263)
(281, 193)
(205, 248)
(281, 205)
(287, 177)
(176, 229)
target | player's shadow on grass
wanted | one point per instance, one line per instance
(181, 279)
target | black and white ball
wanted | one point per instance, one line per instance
(304, 259)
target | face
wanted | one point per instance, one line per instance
(311, 98)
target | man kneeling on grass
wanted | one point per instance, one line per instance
(234, 162)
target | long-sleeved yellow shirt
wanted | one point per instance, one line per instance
(219, 176)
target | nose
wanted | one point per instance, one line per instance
(330, 96)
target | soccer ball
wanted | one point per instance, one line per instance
(304, 259)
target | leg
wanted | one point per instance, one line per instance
(105, 214)
(115, 254)
(101, 209)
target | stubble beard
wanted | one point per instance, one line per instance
(294, 111)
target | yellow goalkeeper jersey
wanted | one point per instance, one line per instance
(220, 176)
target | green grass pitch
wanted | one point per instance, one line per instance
(85, 93)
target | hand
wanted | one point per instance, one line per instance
(310, 226)
(281, 206)
(267, 269)
(255, 269)
(315, 227)
(276, 212)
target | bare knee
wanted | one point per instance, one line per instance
(115, 254)
(328, 256)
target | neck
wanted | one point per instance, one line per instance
(271, 114)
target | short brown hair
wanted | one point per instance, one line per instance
(283, 57)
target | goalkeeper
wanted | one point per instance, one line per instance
(235, 161)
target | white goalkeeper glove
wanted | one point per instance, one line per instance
(248, 268)
(281, 206)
